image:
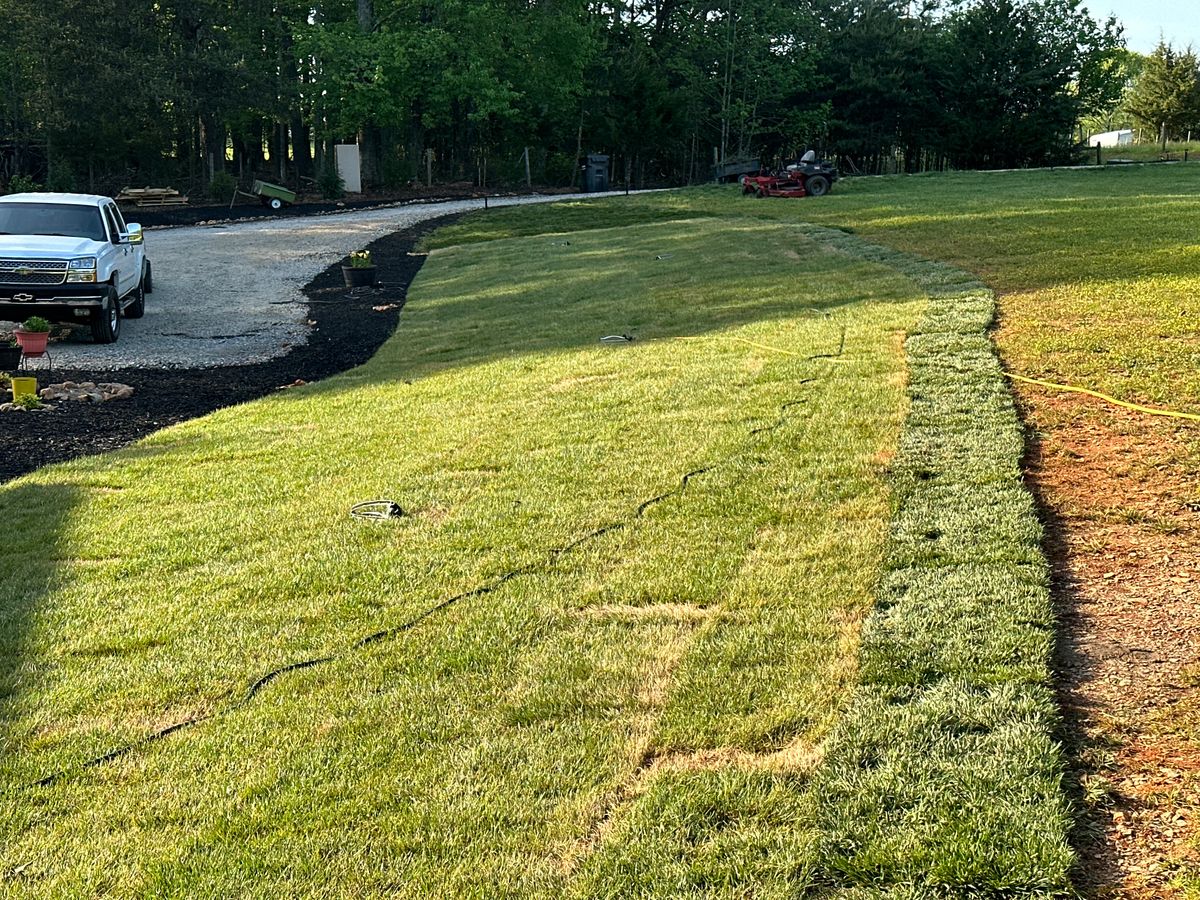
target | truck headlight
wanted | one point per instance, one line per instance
(82, 270)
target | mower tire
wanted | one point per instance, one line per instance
(816, 186)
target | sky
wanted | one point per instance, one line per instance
(1178, 21)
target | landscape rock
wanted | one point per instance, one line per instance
(18, 408)
(87, 391)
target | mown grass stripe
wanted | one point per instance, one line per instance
(943, 777)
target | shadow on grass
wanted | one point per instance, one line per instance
(34, 518)
(671, 284)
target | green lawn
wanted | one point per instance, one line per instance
(1101, 278)
(546, 738)
(1098, 270)
(818, 669)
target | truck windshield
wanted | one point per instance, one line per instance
(63, 219)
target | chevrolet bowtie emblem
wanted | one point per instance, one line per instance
(24, 271)
(22, 298)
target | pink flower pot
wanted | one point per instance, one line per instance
(32, 343)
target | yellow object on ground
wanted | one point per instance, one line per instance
(1137, 407)
(24, 387)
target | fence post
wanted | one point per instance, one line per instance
(1098, 162)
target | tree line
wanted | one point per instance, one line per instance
(1162, 95)
(100, 94)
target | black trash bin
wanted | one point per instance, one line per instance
(595, 173)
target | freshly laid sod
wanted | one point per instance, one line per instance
(637, 713)
(651, 681)
(944, 774)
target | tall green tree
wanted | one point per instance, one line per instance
(876, 77)
(1165, 98)
(1013, 74)
(102, 94)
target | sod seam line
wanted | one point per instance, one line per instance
(943, 774)
(550, 559)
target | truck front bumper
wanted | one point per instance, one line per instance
(58, 302)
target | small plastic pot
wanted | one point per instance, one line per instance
(359, 276)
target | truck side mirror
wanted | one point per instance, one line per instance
(135, 234)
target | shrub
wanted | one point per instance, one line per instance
(395, 171)
(36, 324)
(61, 177)
(23, 184)
(560, 169)
(222, 186)
(331, 184)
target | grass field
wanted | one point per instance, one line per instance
(820, 666)
(1098, 269)
(1101, 274)
(1100, 280)
(684, 666)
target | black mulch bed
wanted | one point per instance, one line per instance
(347, 334)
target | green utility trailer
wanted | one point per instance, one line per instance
(267, 194)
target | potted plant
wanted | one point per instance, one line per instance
(361, 271)
(10, 356)
(33, 335)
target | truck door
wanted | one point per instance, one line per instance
(137, 252)
(126, 263)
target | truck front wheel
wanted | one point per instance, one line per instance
(106, 321)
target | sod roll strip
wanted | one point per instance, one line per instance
(943, 778)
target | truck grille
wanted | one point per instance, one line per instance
(33, 271)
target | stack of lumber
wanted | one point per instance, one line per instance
(152, 197)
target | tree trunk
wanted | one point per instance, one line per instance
(302, 154)
(578, 153)
(279, 152)
(370, 139)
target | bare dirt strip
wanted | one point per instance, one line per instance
(1123, 533)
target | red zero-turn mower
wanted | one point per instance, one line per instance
(811, 177)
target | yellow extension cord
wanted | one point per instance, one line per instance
(1136, 407)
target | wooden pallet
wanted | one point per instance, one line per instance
(163, 201)
(152, 197)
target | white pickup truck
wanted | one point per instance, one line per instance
(71, 258)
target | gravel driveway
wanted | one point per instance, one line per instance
(231, 294)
